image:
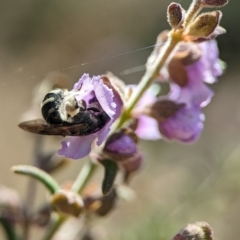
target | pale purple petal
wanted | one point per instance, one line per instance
(210, 61)
(194, 94)
(102, 134)
(147, 128)
(185, 125)
(104, 96)
(83, 83)
(208, 67)
(77, 147)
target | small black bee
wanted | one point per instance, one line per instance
(67, 117)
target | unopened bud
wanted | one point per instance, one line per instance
(195, 231)
(214, 3)
(204, 25)
(97, 203)
(121, 145)
(67, 202)
(175, 14)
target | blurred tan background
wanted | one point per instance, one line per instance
(178, 183)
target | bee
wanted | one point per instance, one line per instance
(66, 116)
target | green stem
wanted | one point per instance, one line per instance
(83, 177)
(56, 223)
(150, 75)
(193, 10)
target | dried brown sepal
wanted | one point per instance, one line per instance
(177, 72)
(195, 231)
(97, 203)
(186, 54)
(175, 15)
(116, 84)
(203, 26)
(214, 3)
(131, 166)
(162, 109)
(67, 202)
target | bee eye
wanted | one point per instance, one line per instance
(50, 106)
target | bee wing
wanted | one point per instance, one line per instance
(39, 126)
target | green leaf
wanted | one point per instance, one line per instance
(38, 174)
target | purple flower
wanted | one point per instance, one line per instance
(185, 125)
(175, 120)
(205, 70)
(147, 127)
(89, 90)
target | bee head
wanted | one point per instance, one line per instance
(71, 109)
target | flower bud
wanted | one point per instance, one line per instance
(67, 202)
(203, 26)
(175, 14)
(121, 145)
(195, 231)
(214, 3)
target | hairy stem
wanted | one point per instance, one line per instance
(192, 12)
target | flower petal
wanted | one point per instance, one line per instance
(77, 147)
(147, 128)
(104, 95)
(185, 125)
